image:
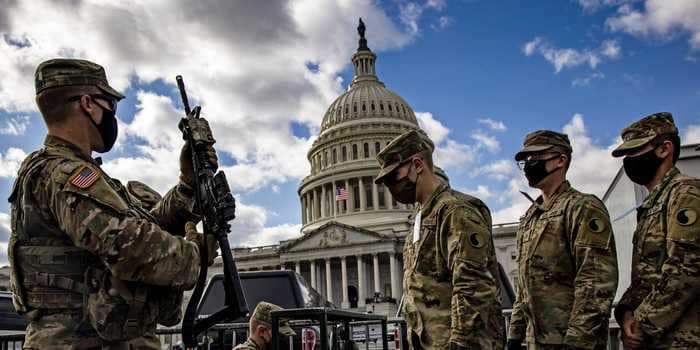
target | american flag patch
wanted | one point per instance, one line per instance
(85, 177)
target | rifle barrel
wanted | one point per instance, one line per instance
(183, 94)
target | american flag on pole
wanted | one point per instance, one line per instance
(341, 194)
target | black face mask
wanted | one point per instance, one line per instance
(536, 171)
(641, 169)
(405, 190)
(108, 129)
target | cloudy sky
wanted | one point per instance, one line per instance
(480, 74)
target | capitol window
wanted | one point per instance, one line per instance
(376, 147)
(366, 149)
(381, 106)
(345, 153)
(335, 156)
(380, 199)
(354, 152)
(368, 193)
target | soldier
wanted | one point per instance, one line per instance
(452, 294)
(87, 261)
(660, 309)
(260, 329)
(567, 264)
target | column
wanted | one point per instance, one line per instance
(363, 200)
(375, 196)
(313, 274)
(387, 197)
(301, 205)
(350, 203)
(329, 282)
(344, 273)
(324, 202)
(334, 201)
(309, 207)
(375, 262)
(393, 265)
(297, 267)
(314, 202)
(360, 282)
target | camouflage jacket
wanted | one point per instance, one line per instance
(567, 271)
(664, 292)
(452, 293)
(63, 200)
(249, 344)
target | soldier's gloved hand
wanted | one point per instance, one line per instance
(200, 131)
(514, 344)
(192, 235)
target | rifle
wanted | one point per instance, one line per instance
(215, 202)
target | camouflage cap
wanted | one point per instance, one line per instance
(643, 131)
(70, 71)
(263, 312)
(543, 140)
(401, 149)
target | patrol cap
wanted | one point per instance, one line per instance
(543, 140)
(400, 149)
(643, 131)
(60, 72)
(263, 312)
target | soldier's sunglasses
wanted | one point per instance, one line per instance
(111, 101)
(536, 158)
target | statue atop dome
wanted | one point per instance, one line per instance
(363, 42)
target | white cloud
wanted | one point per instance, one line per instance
(498, 170)
(250, 231)
(482, 192)
(454, 155)
(5, 230)
(610, 49)
(586, 81)
(15, 126)
(562, 58)
(495, 125)
(442, 23)
(487, 141)
(517, 203)
(410, 14)
(436, 4)
(661, 19)
(593, 5)
(10, 162)
(433, 127)
(691, 135)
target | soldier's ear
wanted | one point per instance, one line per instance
(665, 149)
(418, 164)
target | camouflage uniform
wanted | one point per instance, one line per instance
(263, 314)
(88, 262)
(452, 294)
(567, 264)
(665, 287)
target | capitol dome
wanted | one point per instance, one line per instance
(356, 126)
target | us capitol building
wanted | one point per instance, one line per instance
(350, 250)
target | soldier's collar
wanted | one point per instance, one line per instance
(564, 187)
(433, 198)
(656, 191)
(55, 141)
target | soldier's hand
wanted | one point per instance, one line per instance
(514, 344)
(187, 170)
(632, 336)
(192, 235)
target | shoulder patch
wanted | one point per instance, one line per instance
(594, 229)
(683, 223)
(84, 177)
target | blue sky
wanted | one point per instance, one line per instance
(479, 74)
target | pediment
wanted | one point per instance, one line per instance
(333, 234)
